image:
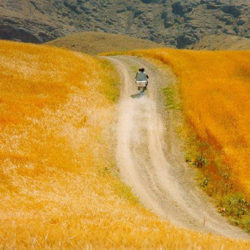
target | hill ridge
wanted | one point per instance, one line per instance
(98, 42)
(174, 23)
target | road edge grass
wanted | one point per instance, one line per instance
(111, 86)
(111, 89)
(229, 201)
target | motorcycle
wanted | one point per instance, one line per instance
(142, 85)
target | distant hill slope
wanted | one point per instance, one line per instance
(222, 42)
(172, 22)
(97, 42)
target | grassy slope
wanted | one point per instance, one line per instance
(58, 187)
(222, 42)
(97, 42)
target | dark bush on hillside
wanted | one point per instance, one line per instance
(178, 9)
(232, 10)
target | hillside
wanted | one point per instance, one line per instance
(222, 42)
(94, 43)
(59, 186)
(174, 23)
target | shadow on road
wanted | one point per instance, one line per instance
(138, 95)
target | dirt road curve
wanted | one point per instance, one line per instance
(153, 165)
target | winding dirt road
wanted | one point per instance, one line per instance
(150, 159)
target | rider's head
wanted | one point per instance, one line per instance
(141, 69)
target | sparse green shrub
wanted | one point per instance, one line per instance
(204, 182)
(235, 205)
(222, 168)
(171, 100)
(246, 222)
(200, 161)
(237, 208)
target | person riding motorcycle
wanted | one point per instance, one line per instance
(141, 79)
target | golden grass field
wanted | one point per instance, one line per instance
(59, 188)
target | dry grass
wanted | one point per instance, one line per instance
(58, 188)
(97, 42)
